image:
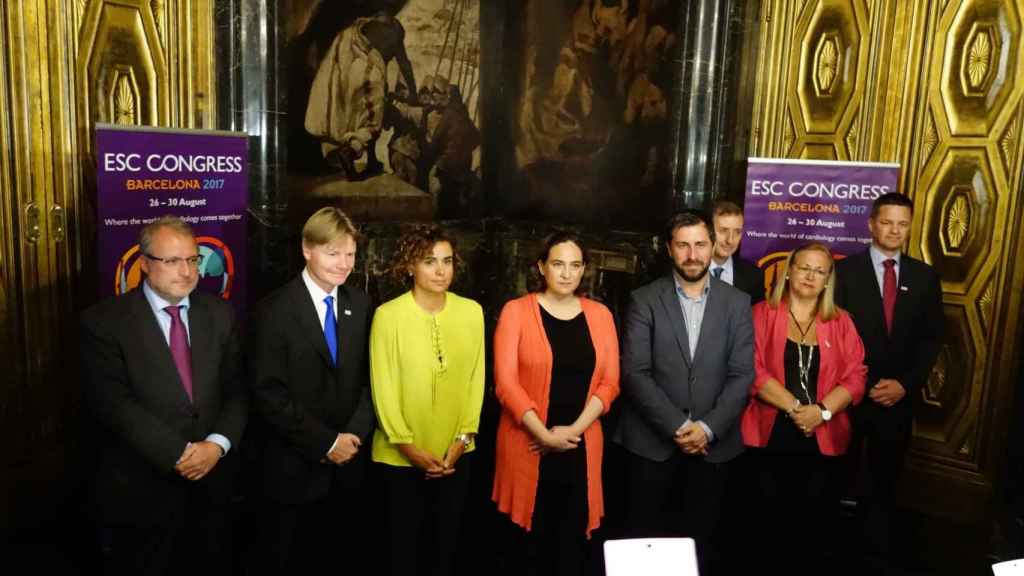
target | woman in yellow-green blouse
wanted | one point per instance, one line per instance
(427, 377)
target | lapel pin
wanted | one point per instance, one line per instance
(349, 312)
(828, 344)
(902, 289)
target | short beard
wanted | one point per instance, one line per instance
(700, 275)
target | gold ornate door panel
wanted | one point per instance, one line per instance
(937, 86)
(813, 67)
(37, 310)
(965, 168)
(65, 65)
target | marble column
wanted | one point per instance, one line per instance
(253, 99)
(711, 100)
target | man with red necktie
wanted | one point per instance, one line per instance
(896, 304)
(161, 378)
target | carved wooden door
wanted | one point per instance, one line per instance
(65, 65)
(937, 86)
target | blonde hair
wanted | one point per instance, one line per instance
(326, 225)
(827, 309)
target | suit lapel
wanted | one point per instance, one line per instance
(905, 286)
(670, 300)
(146, 327)
(304, 312)
(344, 324)
(872, 292)
(201, 346)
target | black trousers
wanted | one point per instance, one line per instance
(557, 542)
(794, 524)
(198, 535)
(296, 537)
(679, 497)
(424, 518)
(878, 458)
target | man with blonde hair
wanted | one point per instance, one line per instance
(309, 375)
(726, 264)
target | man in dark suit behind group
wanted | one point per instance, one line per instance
(687, 369)
(309, 373)
(161, 377)
(726, 265)
(896, 304)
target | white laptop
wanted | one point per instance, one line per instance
(651, 557)
(1009, 568)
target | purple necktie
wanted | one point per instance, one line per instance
(889, 293)
(179, 348)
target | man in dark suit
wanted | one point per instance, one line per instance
(161, 377)
(896, 304)
(687, 369)
(309, 373)
(726, 265)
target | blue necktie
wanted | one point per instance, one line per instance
(331, 329)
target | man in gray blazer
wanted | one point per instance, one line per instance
(687, 368)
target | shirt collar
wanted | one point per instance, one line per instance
(877, 258)
(727, 265)
(679, 286)
(157, 303)
(315, 290)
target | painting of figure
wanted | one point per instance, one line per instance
(591, 126)
(384, 106)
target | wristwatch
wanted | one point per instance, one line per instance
(826, 414)
(466, 440)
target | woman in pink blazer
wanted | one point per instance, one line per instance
(809, 364)
(556, 371)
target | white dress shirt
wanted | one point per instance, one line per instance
(157, 303)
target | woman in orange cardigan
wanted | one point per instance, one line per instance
(556, 370)
(809, 364)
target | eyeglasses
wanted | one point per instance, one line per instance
(174, 261)
(812, 272)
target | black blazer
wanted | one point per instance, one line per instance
(132, 389)
(656, 383)
(909, 353)
(749, 278)
(302, 399)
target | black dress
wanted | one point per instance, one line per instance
(797, 485)
(560, 510)
(786, 437)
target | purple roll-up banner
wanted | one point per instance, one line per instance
(792, 202)
(201, 176)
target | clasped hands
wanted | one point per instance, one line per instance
(432, 466)
(557, 439)
(807, 417)
(691, 438)
(887, 392)
(198, 459)
(345, 448)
